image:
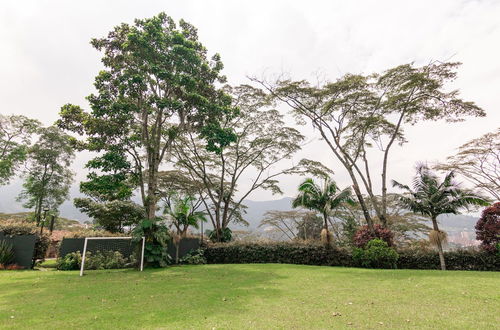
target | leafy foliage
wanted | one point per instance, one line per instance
(488, 228)
(431, 197)
(71, 261)
(364, 235)
(221, 235)
(376, 254)
(6, 253)
(323, 199)
(478, 162)
(15, 139)
(48, 176)
(15, 228)
(98, 260)
(194, 257)
(157, 237)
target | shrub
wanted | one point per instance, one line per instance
(277, 252)
(98, 260)
(488, 228)
(157, 237)
(6, 253)
(364, 235)
(376, 254)
(464, 259)
(71, 261)
(194, 257)
(225, 235)
(83, 233)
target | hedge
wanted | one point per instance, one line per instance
(312, 254)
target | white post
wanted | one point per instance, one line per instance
(83, 256)
(142, 252)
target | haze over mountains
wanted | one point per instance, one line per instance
(255, 210)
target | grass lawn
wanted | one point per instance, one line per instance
(250, 296)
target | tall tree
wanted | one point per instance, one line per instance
(323, 199)
(432, 197)
(263, 143)
(15, 139)
(357, 113)
(478, 161)
(48, 176)
(157, 84)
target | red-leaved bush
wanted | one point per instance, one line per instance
(364, 235)
(488, 228)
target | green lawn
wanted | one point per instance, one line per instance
(250, 296)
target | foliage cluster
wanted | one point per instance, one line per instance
(98, 260)
(488, 228)
(365, 235)
(318, 254)
(194, 257)
(6, 253)
(157, 237)
(376, 254)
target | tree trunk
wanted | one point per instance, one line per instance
(325, 227)
(439, 245)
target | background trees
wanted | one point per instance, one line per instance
(432, 197)
(262, 141)
(157, 84)
(48, 177)
(488, 228)
(294, 224)
(357, 114)
(478, 161)
(15, 139)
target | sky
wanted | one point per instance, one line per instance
(46, 59)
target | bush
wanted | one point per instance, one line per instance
(98, 260)
(488, 228)
(277, 252)
(194, 257)
(157, 237)
(15, 228)
(225, 235)
(464, 259)
(364, 235)
(376, 254)
(83, 233)
(6, 253)
(71, 261)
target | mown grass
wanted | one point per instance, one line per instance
(250, 296)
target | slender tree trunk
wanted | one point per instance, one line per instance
(325, 227)
(439, 244)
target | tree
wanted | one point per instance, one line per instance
(357, 112)
(157, 84)
(488, 228)
(112, 215)
(323, 199)
(294, 224)
(182, 215)
(48, 177)
(263, 142)
(432, 197)
(15, 139)
(478, 161)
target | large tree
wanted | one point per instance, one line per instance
(478, 161)
(432, 197)
(157, 84)
(356, 115)
(15, 139)
(47, 176)
(263, 143)
(324, 199)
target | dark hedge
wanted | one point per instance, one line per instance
(312, 254)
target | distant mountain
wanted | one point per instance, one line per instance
(254, 212)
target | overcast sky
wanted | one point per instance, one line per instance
(46, 59)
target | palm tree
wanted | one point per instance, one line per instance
(183, 215)
(323, 199)
(430, 197)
